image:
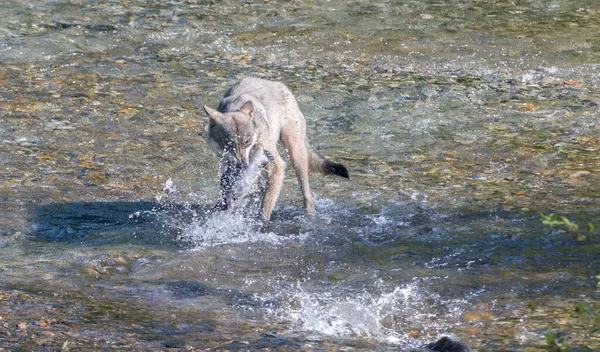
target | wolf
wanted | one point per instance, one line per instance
(254, 115)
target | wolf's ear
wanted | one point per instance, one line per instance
(213, 115)
(247, 108)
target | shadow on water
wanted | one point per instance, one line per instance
(117, 222)
(152, 223)
(392, 231)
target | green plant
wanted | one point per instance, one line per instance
(554, 341)
(581, 308)
(552, 219)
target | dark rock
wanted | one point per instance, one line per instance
(188, 288)
(174, 343)
(446, 344)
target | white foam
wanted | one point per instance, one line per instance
(225, 227)
(169, 191)
(384, 316)
(213, 228)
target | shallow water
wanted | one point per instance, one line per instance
(460, 122)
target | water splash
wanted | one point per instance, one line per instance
(407, 315)
(169, 191)
(203, 227)
(223, 228)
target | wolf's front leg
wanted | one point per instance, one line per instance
(275, 171)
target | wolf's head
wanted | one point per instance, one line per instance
(232, 134)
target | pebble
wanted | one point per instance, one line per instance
(551, 81)
(476, 316)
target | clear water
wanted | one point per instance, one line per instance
(460, 122)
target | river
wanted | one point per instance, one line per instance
(461, 122)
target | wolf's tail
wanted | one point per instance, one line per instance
(324, 166)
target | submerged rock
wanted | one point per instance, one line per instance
(446, 344)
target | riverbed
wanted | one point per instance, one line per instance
(460, 122)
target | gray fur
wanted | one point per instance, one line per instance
(269, 112)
